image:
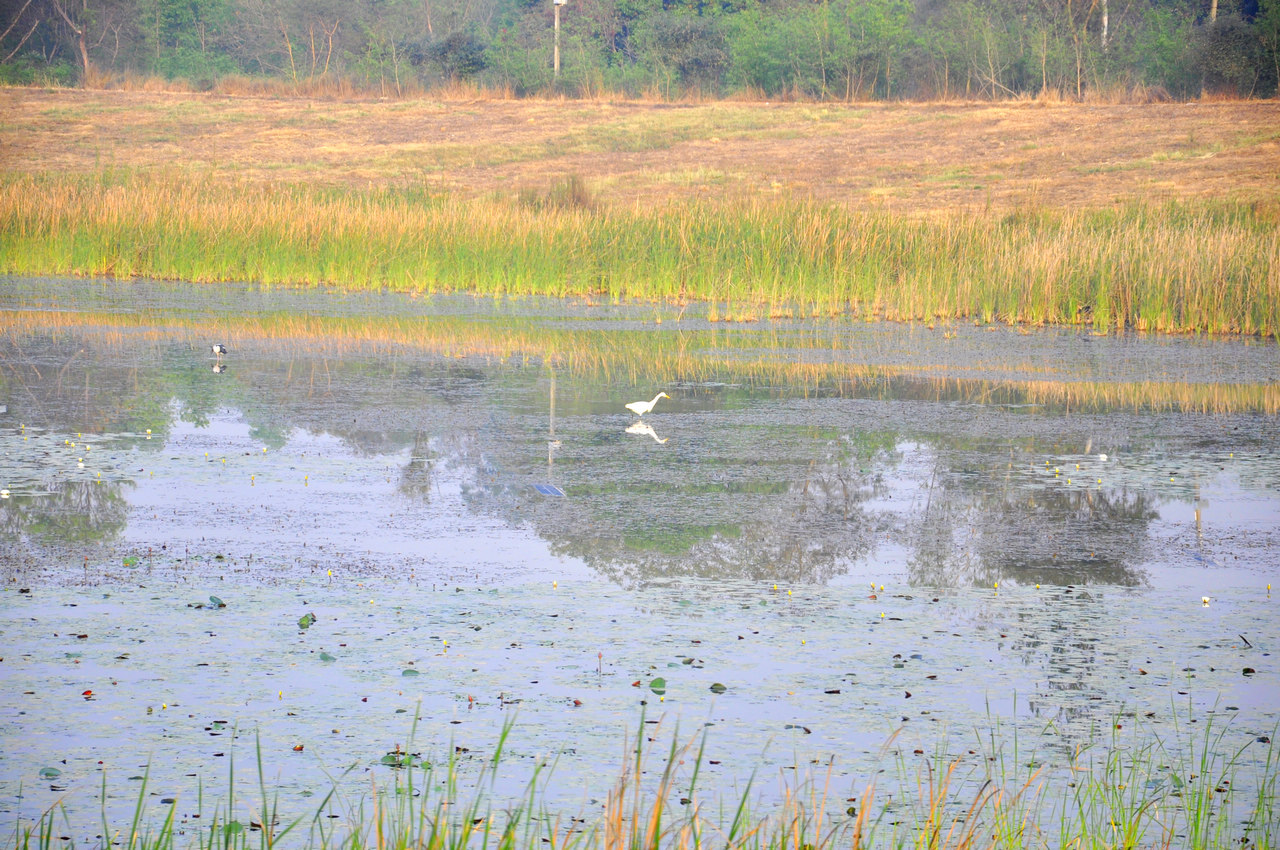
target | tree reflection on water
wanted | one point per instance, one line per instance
(763, 483)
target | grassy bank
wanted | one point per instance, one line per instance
(1189, 266)
(1211, 789)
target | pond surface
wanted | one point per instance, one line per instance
(866, 533)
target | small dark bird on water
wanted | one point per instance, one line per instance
(219, 349)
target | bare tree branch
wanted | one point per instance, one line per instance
(15, 50)
(14, 23)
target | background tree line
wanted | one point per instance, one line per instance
(824, 49)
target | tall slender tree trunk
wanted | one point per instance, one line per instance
(85, 72)
(85, 75)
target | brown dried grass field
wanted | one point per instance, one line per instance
(901, 157)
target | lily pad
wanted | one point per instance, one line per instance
(216, 602)
(306, 620)
(410, 672)
(324, 656)
(658, 686)
(50, 773)
(717, 688)
(401, 760)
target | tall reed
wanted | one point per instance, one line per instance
(1196, 266)
(1140, 791)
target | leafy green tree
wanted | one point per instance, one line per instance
(459, 55)
(519, 58)
(1267, 24)
(186, 38)
(688, 49)
(1229, 54)
(871, 38)
(827, 49)
(1159, 51)
(759, 53)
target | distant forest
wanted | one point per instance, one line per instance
(837, 50)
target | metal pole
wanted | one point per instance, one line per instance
(552, 442)
(557, 50)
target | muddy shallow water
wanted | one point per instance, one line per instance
(481, 531)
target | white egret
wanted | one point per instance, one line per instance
(640, 408)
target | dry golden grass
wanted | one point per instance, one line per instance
(908, 158)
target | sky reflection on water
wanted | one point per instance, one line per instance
(395, 492)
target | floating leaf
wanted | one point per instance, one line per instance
(306, 620)
(409, 672)
(717, 688)
(131, 561)
(216, 602)
(49, 773)
(401, 760)
(658, 686)
(324, 656)
(233, 827)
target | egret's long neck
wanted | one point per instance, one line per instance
(655, 400)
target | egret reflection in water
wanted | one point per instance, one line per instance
(643, 429)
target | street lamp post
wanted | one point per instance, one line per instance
(556, 55)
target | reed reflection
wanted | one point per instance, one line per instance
(803, 484)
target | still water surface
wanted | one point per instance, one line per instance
(865, 533)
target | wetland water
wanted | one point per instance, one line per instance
(940, 539)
